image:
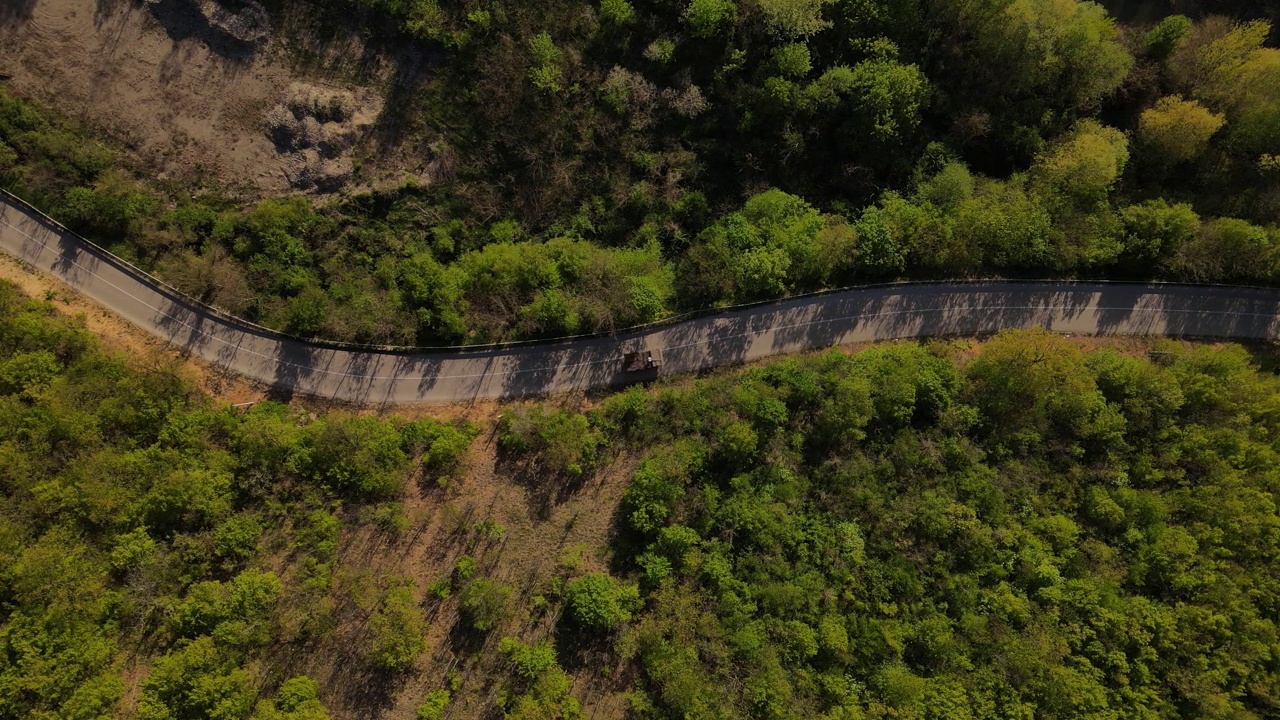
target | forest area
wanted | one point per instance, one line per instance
(1022, 527)
(605, 164)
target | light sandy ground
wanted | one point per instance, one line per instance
(152, 77)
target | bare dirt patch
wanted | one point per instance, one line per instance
(514, 537)
(315, 129)
(185, 85)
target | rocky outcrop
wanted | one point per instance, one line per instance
(250, 25)
(314, 129)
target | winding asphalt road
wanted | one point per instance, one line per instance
(877, 313)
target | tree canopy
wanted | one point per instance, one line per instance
(608, 164)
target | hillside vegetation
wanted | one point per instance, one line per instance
(602, 164)
(1016, 529)
(145, 524)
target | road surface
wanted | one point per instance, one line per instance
(878, 313)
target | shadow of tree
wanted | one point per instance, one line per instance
(15, 13)
(577, 649)
(182, 20)
(104, 9)
(546, 487)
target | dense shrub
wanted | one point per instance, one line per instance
(137, 517)
(538, 688)
(397, 629)
(562, 441)
(485, 603)
(912, 521)
(598, 602)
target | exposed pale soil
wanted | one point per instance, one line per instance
(167, 80)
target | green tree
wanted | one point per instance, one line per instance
(27, 373)
(1227, 66)
(1214, 64)
(617, 12)
(563, 441)
(659, 482)
(237, 613)
(539, 688)
(360, 456)
(792, 60)
(297, 699)
(545, 71)
(1177, 130)
(1063, 54)
(707, 18)
(1006, 226)
(881, 252)
(433, 705)
(1034, 386)
(1155, 230)
(1163, 39)
(1227, 249)
(599, 603)
(397, 630)
(307, 312)
(197, 681)
(1081, 168)
(793, 18)
(889, 96)
(485, 603)
(771, 246)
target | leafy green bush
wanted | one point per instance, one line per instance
(236, 613)
(295, 700)
(562, 441)
(485, 603)
(659, 483)
(433, 705)
(770, 247)
(198, 681)
(358, 456)
(538, 688)
(545, 72)
(599, 603)
(617, 12)
(397, 629)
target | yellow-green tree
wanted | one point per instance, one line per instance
(396, 629)
(1227, 66)
(1063, 50)
(1083, 165)
(793, 18)
(1177, 130)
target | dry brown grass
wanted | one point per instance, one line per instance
(540, 542)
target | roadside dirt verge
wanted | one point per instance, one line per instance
(120, 336)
